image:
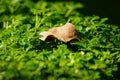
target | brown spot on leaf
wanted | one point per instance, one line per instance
(64, 33)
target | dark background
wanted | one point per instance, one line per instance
(103, 8)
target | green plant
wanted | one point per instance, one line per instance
(24, 57)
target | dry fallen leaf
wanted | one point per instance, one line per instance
(64, 33)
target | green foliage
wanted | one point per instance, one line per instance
(24, 57)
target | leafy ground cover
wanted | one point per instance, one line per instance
(24, 57)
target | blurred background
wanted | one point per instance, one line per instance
(102, 8)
